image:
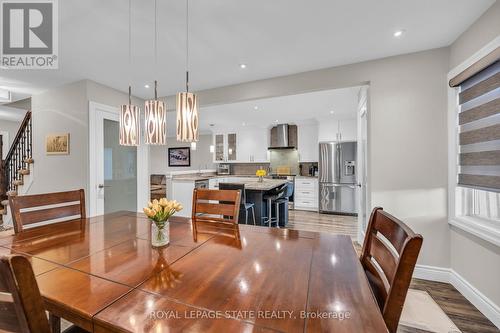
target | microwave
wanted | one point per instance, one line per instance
(223, 169)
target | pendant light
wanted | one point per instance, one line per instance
(129, 114)
(187, 104)
(155, 112)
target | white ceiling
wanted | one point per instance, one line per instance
(273, 38)
(294, 109)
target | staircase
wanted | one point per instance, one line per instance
(16, 169)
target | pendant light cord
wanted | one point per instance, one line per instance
(156, 48)
(187, 45)
(130, 51)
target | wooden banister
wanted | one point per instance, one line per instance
(22, 128)
(19, 153)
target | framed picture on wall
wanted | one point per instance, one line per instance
(57, 144)
(179, 157)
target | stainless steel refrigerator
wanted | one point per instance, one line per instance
(337, 177)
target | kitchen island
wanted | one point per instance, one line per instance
(182, 188)
(255, 192)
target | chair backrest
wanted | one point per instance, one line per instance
(61, 206)
(235, 186)
(289, 190)
(389, 255)
(21, 297)
(215, 209)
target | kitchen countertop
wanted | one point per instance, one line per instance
(253, 185)
(196, 177)
(266, 185)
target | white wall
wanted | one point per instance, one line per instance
(474, 259)
(60, 110)
(11, 127)
(480, 33)
(200, 158)
(65, 110)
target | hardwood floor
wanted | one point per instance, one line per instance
(465, 316)
(312, 221)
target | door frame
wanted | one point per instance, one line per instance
(5, 144)
(364, 98)
(97, 113)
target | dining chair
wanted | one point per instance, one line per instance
(37, 208)
(271, 197)
(389, 255)
(21, 305)
(244, 204)
(215, 210)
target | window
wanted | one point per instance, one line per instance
(477, 133)
(485, 205)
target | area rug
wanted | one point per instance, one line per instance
(423, 313)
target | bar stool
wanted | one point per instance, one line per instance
(244, 204)
(283, 200)
(271, 198)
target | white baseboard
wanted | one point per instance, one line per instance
(489, 309)
(432, 273)
(486, 306)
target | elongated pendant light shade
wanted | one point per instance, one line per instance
(156, 121)
(187, 117)
(129, 123)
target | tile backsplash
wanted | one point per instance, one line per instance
(285, 158)
(248, 168)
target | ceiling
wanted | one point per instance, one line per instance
(264, 113)
(272, 38)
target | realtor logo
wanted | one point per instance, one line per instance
(29, 38)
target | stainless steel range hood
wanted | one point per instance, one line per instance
(284, 136)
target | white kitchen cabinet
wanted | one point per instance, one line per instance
(306, 193)
(182, 191)
(247, 146)
(308, 143)
(225, 147)
(252, 145)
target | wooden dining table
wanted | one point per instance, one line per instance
(103, 275)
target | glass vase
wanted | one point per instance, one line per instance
(160, 233)
(261, 179)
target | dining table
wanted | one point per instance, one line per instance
(102, 274)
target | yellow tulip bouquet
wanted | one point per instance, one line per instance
(159, 211)
(261, 173)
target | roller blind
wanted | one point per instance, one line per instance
(479, 130)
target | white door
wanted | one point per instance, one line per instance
(362, 132)
(113, 168)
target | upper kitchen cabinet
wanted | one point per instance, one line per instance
(219, 155)
(225, 147)
(252, 145)
(231, 147)
(308, 143)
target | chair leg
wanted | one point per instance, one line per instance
(55, 323)
(246, 216)
(277, 215)
(270, 212)
(253, 215)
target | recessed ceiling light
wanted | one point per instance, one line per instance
(146, 86)
(332, 112)
(243, 66)
(276, 121)
(398, 33)
(244, 124)
(256, 108)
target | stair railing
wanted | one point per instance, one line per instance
(19, 153)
